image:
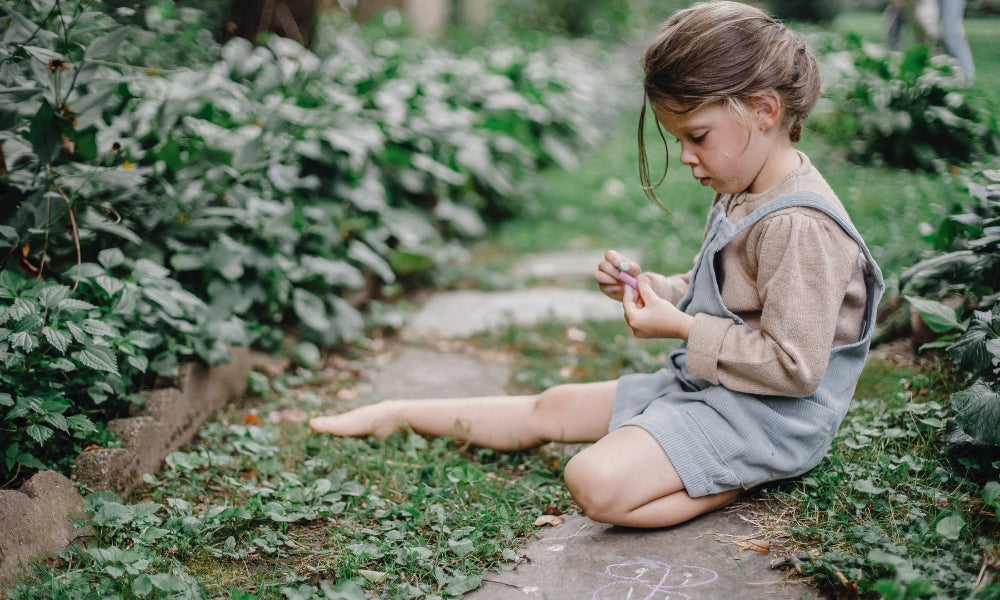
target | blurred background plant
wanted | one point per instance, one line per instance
(278, 189)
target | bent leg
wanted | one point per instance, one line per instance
(626, 479)
(566, 413)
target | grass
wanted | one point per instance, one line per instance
(255, 509)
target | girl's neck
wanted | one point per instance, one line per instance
(779, 163)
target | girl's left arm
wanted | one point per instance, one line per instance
(804, 264)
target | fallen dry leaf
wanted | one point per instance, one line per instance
(762, 546)
(251, 419)
(553, 520)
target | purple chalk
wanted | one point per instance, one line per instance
(627, 280)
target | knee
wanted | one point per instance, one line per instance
(595, 490)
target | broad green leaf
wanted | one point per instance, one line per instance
(977, 410)
(311, 310)
(363, 253)
(106, 44)
(950, 527)
(109, 284)
(139, 363)
(991, 495)
(142, 585)
(39, 433)
(169, 582)
(866, 486)
(6, 399)
(99, 328)
(81, 424)
(58, 421)
(74, 305)
(24, 340)
(52, 295)
(45, 134)
(939, 317)
(97, 357)
(111, 258)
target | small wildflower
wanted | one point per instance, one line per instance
(116, 147)
(57, 64)
(153, 71)
(185, 217)
(126, 164)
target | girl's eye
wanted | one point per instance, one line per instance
(698, 138)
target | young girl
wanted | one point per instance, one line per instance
(776, 315)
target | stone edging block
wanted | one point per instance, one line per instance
(38, 520)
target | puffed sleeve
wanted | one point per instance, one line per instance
(804, 262)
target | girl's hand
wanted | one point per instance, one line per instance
(650, 316)
(608, 270)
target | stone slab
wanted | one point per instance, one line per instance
(577, 264)
(416, 372)
(169, 419)
(462, 314)
(37, 521)
(698, 560)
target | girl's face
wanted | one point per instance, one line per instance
(724, 152)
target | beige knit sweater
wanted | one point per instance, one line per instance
(796, 279)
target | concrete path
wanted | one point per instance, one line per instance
(717, 556)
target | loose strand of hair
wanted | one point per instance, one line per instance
(644, 179)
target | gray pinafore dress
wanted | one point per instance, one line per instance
(719, 439)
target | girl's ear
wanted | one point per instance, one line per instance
(768, 110)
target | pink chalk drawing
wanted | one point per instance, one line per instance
(651, 580)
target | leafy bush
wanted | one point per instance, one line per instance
(904, 110)
(223, 202)
(971, 338)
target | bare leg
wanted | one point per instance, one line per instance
(626, 479)
(566, 413)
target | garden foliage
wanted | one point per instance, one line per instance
(152, 213)
(968, 268)
(905, 110)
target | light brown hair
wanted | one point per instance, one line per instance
(725, 53)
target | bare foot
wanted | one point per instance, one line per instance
(374, 419)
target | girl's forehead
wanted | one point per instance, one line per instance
(700, 117)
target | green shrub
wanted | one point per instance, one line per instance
(970, 334)
(903, 110)
(255, 189)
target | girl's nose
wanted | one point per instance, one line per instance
(687, 156)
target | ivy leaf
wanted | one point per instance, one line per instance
(98, 358)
